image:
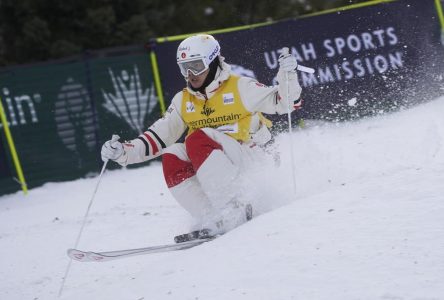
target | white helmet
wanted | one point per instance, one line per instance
(196, 53)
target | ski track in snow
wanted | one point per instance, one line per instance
(367, 223)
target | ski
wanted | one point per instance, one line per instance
(90, 256)
(183, 241)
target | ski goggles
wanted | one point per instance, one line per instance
(197, 67)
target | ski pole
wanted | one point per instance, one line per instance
(114, 139)
(285, 50)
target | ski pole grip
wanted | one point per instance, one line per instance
(305, 69)
(114, 139)
(285, 50)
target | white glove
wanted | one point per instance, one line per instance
(112, 149)
(288, 80)
(287, 62)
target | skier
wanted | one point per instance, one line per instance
(222, 113)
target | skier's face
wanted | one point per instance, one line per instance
(196, 81)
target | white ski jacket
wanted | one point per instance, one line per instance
(255, 98)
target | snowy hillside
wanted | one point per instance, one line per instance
(367, 223)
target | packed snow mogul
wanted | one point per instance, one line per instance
(222, 114)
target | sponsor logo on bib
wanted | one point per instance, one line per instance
(228, 98)
(190, 107)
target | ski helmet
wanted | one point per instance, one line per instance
(195, 53)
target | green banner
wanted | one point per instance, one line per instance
(4, 168)
(61, 113)
(125, 95)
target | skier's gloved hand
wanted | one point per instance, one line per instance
(287, 62)
(289, 88)
(112, 149)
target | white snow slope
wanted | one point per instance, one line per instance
(367, 223)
